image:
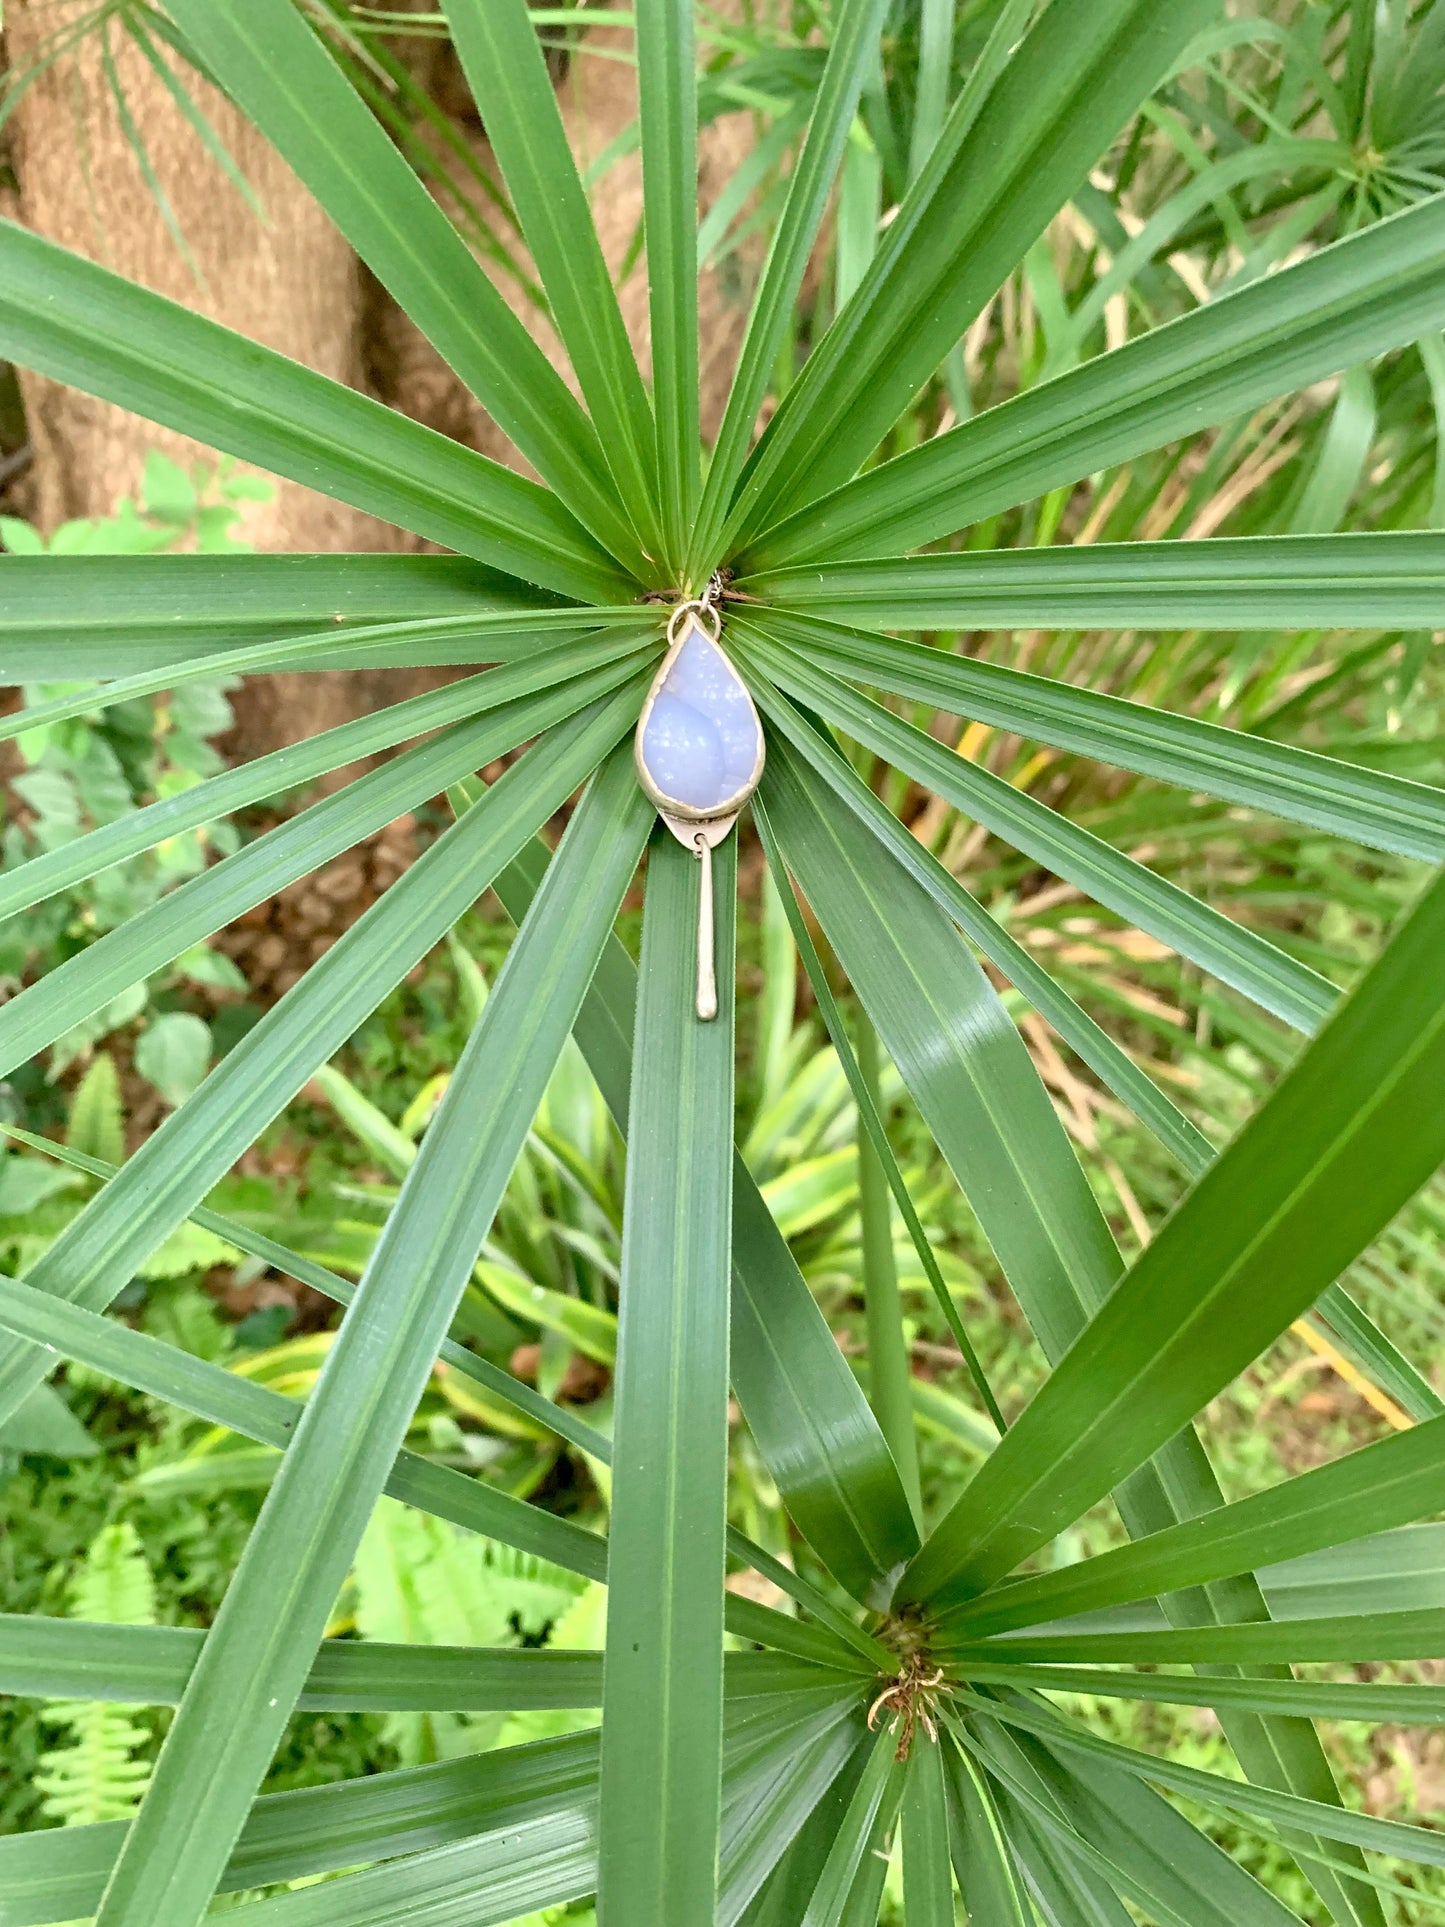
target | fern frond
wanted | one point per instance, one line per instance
(95, 1776)
(422, 1581)
(97, 1122)
(98, 1773)
(114, 1583)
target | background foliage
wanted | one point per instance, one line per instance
(1243, 150)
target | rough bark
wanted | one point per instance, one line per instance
(291, 283)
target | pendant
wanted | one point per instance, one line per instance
(699, 754)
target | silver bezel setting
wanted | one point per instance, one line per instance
(668, 807)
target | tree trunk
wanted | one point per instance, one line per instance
(292, 283)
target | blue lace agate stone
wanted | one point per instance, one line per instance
(700, 748)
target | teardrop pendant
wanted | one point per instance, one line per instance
(699, 744)
(699, 753)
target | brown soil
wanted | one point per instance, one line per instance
(274, 944)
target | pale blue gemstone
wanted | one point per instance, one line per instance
(701, 745)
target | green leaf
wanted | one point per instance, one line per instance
(871, 1652)
(185, 101)
(755, 1841)
(1382, 812)
(878, 1787)
(100, 1771)
(889, 1361)
(854, 44)
(487, 1880)
(1319, 1699)
(505, 66)
(1353, 1131)
(993, 1122)
(667, 90)
(1097, 1049)
(151, 1666)
(1370, 581)
(207, 802)
(1072, 1892)
(50, 1876)
(47, 1876)
(589, 1329)
(1248, 963)
(756, 1755)
(175, 1168)
(449, 1886)
(174, 1054)
(95, 331)
(1057, 1297)
(935, 72)
(870, 1116)
(999, 174)
(43, 1424)
(796, 1638)
(206, 903)
(75, 616)
(559, 1419)
(1148, 1851)
(483, 637)
(1376, 290)
(112, 1348)
(254, 1411)
(1354, 1637)
(818, 1438)
(1381, 1359)
(1070, 1743)
(954, 1044)
(978, 1841)
(1340, 462)
(865, 1897)
(857, 223)
(390, 1147)
(253, 1664)
(927, 1884)
(1392, 1482)
(267, 57)
(1208, 188)
(663, 1698)
(782, 1899)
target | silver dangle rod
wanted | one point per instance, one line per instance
(706, 943)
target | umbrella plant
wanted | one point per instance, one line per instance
(753, 1763)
